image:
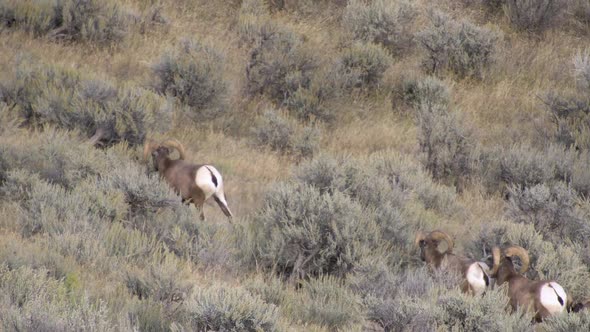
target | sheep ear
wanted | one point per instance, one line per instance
(419, 238)
(440, 235)
(148, 148)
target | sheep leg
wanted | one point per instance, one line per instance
(198, 199)
(221, 201)
(200, 206)
(297, 273)
(465, 288)
(98, 135)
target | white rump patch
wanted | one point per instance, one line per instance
(476, 278)
(553, 298)
(204, 180)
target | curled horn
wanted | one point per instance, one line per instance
(148, 147)
(173, 143)
(521, 253)
(419, 237)
(440, 235)
(496, 257)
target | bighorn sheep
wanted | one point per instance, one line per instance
(546, 297)
(475, 278)
(194, 183)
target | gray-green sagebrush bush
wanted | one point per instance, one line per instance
(408, 174)
(50, 258)
(306, 233)
(445, 140)
(382, 289)
(271, 290)
(581, 11)
(524, 166)
(46, 94)
(304, 7)
(162, 278)
(552, 210)
(446, 143)
(47, 254)
(533, 15)
(151, 17)
(254, 21)
(340, 211)
(580, 177)
(571, 322)
(147, 204)
(309, 103)
(329, 174)
(488, 313)
(59, 159)
(381, 22)
(279, 64)
(581, 64)
(414, 300)
(429, 91)
(275, 131)
(144, 194)
(193, 74)
(459, 47)
(255, 8)
(32, 301)
(493, 6)
(63, 187)
(50, 208)
(228, 309)
(100, 22)
(108, 217)
(569, 113)
(327, 302)
(46, 208)
(280, 133)
(283, 67)
(365, 185)
(362, 65)
(55, 156)
(351, 177)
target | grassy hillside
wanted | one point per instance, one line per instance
(341, 128)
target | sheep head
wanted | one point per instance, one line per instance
(428, 244)
(162, 150)
(175, 144)
(506, 260)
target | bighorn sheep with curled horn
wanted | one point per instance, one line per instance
(475, 278)
(195, 183)
(546, 297)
